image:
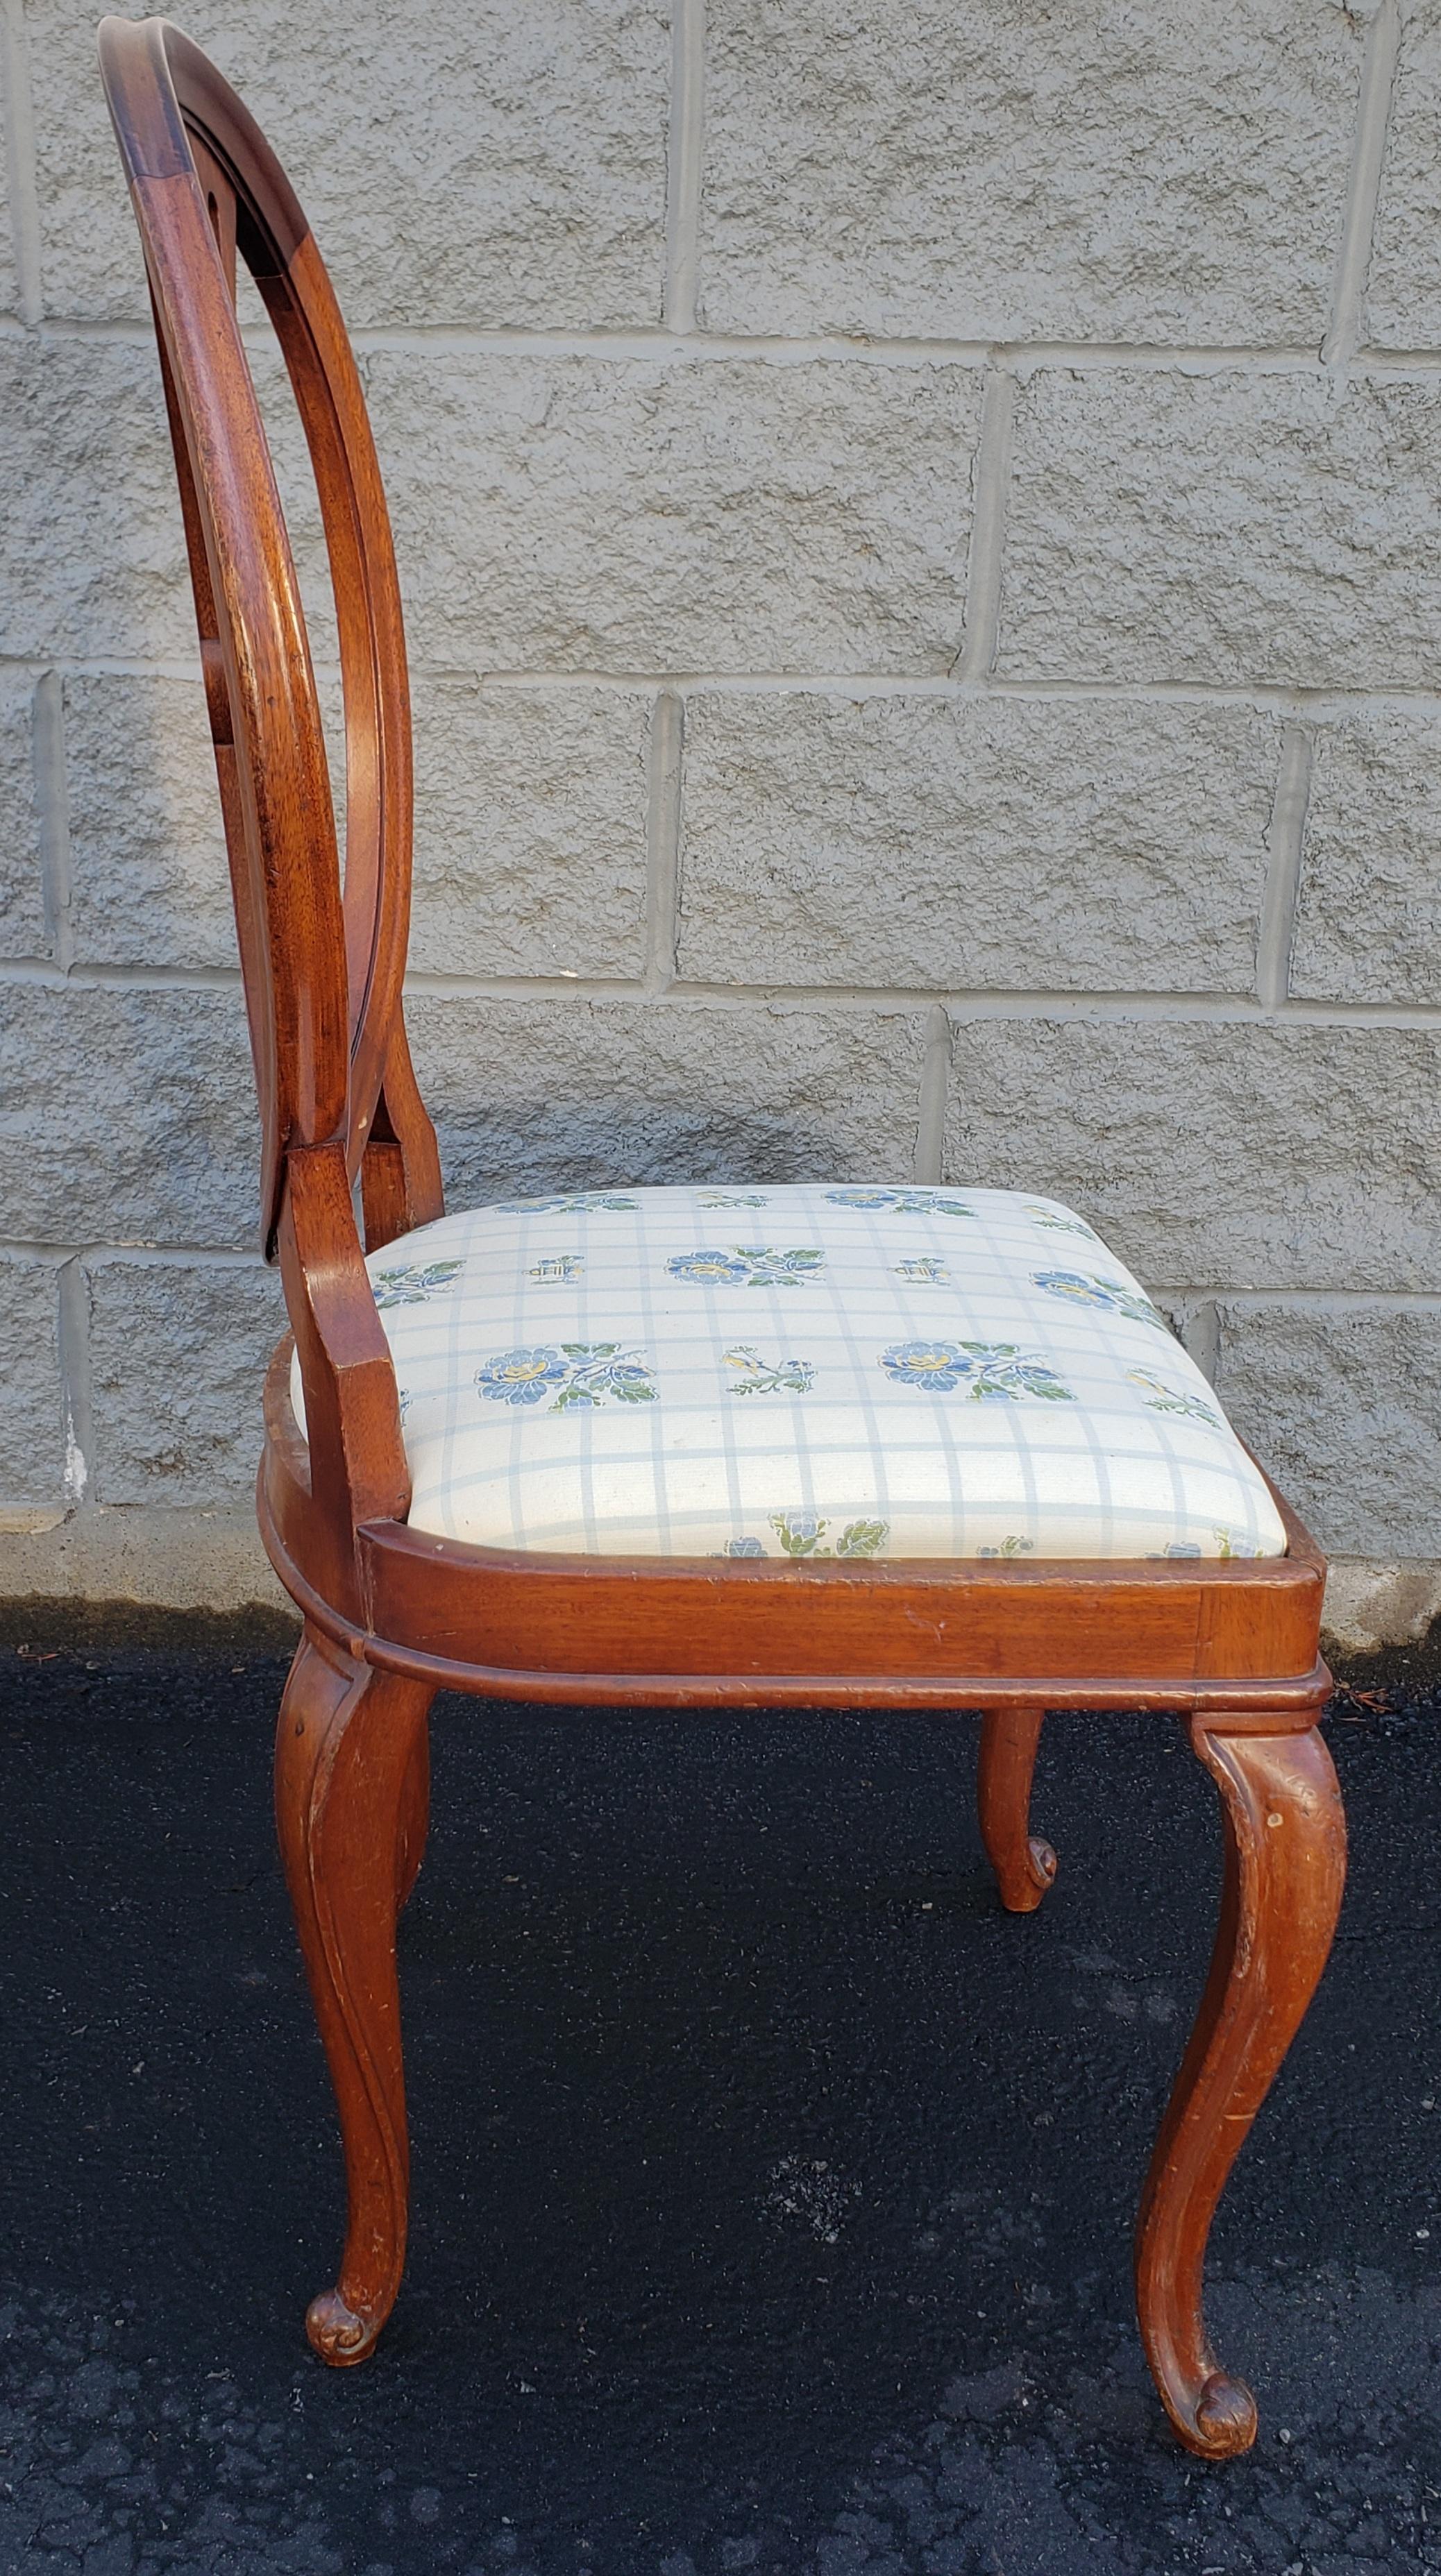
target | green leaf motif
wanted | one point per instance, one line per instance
(803, 1534)
(755, 1376)
(1161, 1398)
(414, 1283)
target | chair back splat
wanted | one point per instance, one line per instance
(322, 970)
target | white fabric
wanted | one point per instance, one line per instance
(817, 1371)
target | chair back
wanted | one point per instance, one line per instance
(322, 966)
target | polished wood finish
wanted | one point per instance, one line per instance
(392, 1614)
(350, 1781)
(1025, 1867)
(1285, 1869)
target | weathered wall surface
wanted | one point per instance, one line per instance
(921, 530)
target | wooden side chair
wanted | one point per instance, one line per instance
(756, 1447)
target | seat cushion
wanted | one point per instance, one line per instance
(803, 1372)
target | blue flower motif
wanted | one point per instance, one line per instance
(902, 1202)
(717, 1268)
(567, 1202)
(799, 1531)
(601, 1369)
(1083, 1288)
(743, 1547)
(523, 1376)
(803, 1534)
(937, 1365)
(582, 1374)
(993, 1372)
(749, 1265)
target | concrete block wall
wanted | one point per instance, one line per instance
(921, 535)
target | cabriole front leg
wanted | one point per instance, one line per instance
(1285, 1869)
(350, 1797)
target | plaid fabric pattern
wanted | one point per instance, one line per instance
(820, 1371)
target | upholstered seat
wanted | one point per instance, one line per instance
(819, 1371)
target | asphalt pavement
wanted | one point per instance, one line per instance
(772, 2189)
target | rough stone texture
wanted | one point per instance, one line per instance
(1000, 171)
(9, 281)
(1345, 1407)
(715, 516)
(32, 1420)
(1008, 842)
(1225, 527)
(530, 830)
(1368, 920)
(538, 1095)
(589, 511)
(149, 880)
(1226, 1154)
(174, 1560)
(177, 1360)
(92, 551)
(1403, 298)
(1374, 1602)
(466, 162)
(23, 930)
(127, 1116)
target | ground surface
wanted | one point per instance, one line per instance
(773, 2189)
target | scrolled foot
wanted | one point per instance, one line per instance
(1225, 2419)
(1024, 1865)
(1041, 1861)
(340, 2336)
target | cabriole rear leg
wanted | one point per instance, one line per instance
(1024, 1866)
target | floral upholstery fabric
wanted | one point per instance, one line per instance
(803, 1372)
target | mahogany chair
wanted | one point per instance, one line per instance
(365, 1532)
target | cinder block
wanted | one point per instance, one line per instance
(9, 279)
(1368, 919)
(178, 1354)
(92, 550)
(574, 513)
(1343, 1405)
(468, 162)
(530, 830)
(32, 1419)
(127, 1116)
(150, 883)
(1403, 289)
(23, 929)
(1029, 843)
(538, 1096)
(1216, 1153)
(997, 171)
(1225, 527)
